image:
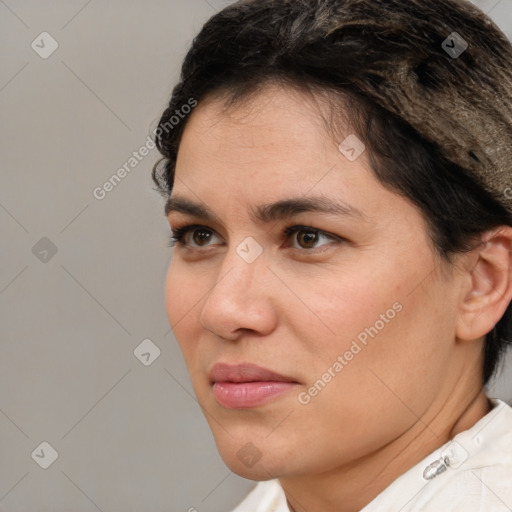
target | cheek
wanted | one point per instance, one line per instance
(181, 303)
(386, 361)
(387, 317)
(172, 303)
(341, 305)
(394, 343)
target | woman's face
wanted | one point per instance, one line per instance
(352, 309)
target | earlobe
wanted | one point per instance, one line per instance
(487, 297)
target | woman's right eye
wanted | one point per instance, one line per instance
(192, 236)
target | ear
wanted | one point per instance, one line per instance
(489, 285)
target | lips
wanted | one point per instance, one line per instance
(245, 372)
(246, 385)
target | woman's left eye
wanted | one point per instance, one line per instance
(196, 236)
(307, 237)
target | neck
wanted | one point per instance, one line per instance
(352, 486)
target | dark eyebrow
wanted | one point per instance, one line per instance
(290, 207)
(269, 212)
(182, 205)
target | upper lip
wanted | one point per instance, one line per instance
(245, 372)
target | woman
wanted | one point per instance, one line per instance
(336, 175)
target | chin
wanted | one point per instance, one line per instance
(257, 460)
(260, 471)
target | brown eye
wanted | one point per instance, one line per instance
(307, 238)
(201, 237)
(192, 237)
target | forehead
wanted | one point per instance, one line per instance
(278, 132)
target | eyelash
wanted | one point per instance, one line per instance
(178, 234)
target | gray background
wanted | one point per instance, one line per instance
(129, 437)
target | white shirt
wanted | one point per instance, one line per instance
(470, 473)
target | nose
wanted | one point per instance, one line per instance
(241, 299)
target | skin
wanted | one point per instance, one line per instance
(301, 304)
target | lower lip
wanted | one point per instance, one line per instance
(238, 395)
